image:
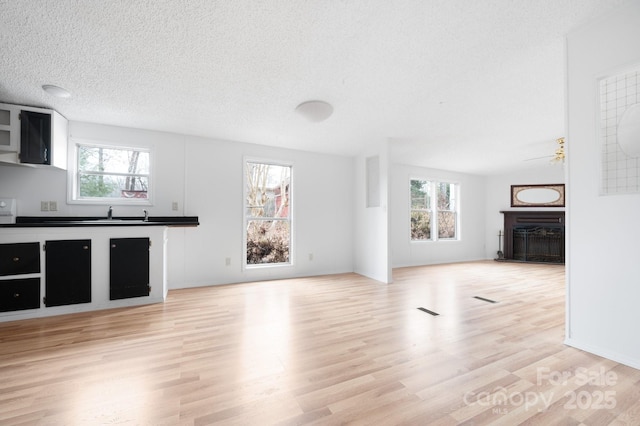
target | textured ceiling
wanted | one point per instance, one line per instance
(464, 85)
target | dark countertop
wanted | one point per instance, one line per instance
(84, 221)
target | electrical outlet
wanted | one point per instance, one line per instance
(227, 261)
(44, 206)
(174, 206)
(53, 206)
(310, 256)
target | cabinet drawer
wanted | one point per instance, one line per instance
(16, 295)
(19, 258)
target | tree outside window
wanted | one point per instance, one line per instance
(267, 213)
(447, 211)
(420, 210)
(112, 173)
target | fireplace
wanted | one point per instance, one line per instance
(534, 236)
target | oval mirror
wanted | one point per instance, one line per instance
(629, 131)
(547, 195)
(539, 195)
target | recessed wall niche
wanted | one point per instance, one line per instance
(620, 173)
(373, 181)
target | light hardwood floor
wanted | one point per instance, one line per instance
(327, 350)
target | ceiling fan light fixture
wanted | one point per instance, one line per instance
(560, 154)
(315, 111)
(56, 91)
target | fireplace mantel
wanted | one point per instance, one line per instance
(534, 236)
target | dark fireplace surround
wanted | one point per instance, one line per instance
(534, 236)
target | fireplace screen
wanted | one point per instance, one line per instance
(538, 244)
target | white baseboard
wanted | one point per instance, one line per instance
(605, 353)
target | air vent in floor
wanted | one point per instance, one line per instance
(485, 299)
(435, 314)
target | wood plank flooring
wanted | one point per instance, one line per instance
(336, 349)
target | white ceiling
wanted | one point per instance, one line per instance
(463, 85)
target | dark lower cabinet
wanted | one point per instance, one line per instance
(19, 294)
(67, 272)
(129, 268)
(19, 258)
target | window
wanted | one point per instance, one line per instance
(267, 214)
(421, 210)
(433, 207)
(111, 174)
(447, 214)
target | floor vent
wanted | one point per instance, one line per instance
(435, 314)
(486, 300)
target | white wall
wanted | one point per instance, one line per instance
(168, 165)
(371, 237)
(30, 185)
(205, 177)
(322, 212)
(470, 246)
(332, 221)
(498, 198)
(603, 272)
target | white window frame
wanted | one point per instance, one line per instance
(73, 175)
(434, 209)
(246, 218)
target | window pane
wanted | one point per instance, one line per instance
(108, 173)
(268, 241)
(447, 210)
(446, 196)
(112, 160)
(268, 190)
(109, 186)
(446, 224)
(97, 186)
(420, 194)
(420, 225)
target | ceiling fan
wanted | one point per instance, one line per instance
(557, 157)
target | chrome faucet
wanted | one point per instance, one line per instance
(110, 213)
(146, 215)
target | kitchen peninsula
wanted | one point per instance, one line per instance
(59, 265)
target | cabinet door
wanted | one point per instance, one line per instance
(129, 268)
(9, 128)
(67, 272)
(19, 258)
(16, 295)
(35, 137)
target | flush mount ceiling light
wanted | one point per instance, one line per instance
(315, 111)
(56, 91)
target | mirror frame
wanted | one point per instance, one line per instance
(516, 189)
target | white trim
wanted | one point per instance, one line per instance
(603, 352)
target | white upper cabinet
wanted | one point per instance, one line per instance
(33, 136)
